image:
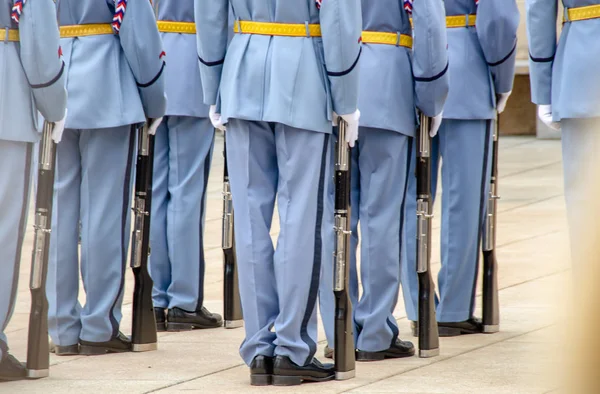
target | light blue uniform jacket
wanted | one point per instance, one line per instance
(564, 73)
(388, 92)
(182, 77)
(32, 71)
(124, 71)
(482, 58)
(297, 81)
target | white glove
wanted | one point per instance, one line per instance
(501, 100)
(545, 115)
(59, 127)
(436, 122)
(352, 128)
(215, 118)
(152, 127)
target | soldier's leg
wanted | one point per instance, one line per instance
(160, 266)
(580, 147)
(191, 143)
(302, 158)
(108, 161)
(16, 158)
(326, 297)
(464, 147)
(383, 165)
(408, 264)
(252, 164)
(62, 286)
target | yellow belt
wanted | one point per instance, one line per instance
(85, 30)
(176, 27)
(277, 29)
(458, 21)
(581, 13)
(13, 35)
(461, 21)
(375, 37)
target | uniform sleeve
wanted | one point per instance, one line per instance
(497, 24)
(42, 59)
(341, 28)
(430, 56)
(212, 21)
(143, 49)
(541, 33)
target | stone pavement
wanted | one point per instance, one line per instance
(534, 273)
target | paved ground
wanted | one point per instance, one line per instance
(520, 359)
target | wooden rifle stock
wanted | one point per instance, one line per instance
(232, 306)
(38, 358)
(344, 355)
(429, 345)
(143, 332)
(491, 307)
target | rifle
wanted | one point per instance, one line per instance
(344, 355)
(232, 306)
(429, 345)
(38, 350)
(143, 332)
(491, 309)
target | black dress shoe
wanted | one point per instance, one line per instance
(398, 349)
(261, 371)
(67, 350)
(471, 326)
(180, 320)
(11, 368)
(287, 373)
(118, 344)
(161, 319)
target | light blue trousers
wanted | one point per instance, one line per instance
(182, 156)
(278, 286)
(464, 147)
(93, 183)
(16, 162)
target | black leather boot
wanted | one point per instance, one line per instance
(180, 320)
(287, 373)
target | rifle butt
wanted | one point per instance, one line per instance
(429, 343)
(491, 304)
(344, 355)
(232, 306)
(143, 331)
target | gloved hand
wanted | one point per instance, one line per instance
(153, 126)
(215, 118)
(352, 128)
(59, 127)
(545, 115)
(501, 100)
(436, 122)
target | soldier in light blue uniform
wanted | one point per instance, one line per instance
(32, 80)
(286, 74)
(565, 83)
(182, 155)
(395, 82)
(114, 81)
(482, 49)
